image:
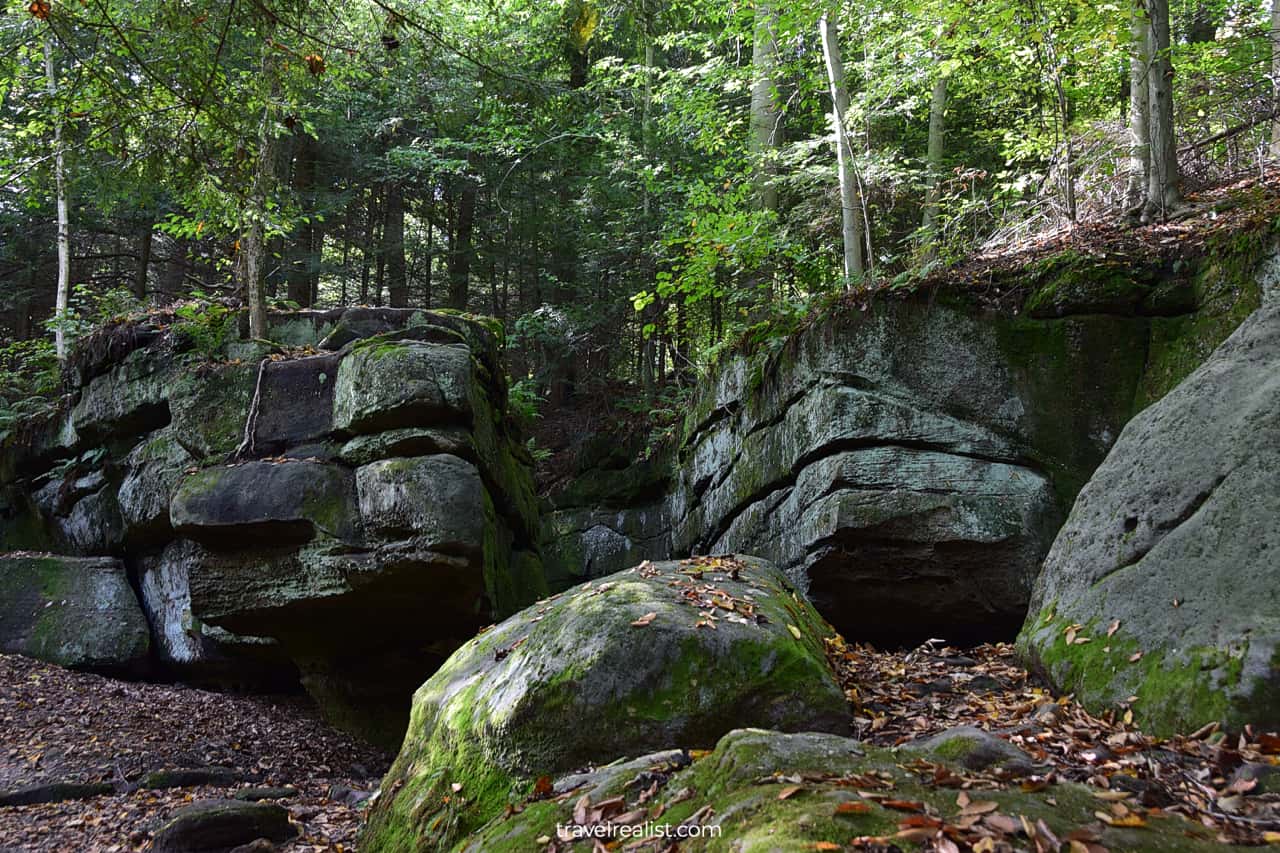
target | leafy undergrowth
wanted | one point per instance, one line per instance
(63, 726)
(1222, 783)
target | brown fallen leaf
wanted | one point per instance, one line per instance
(980, 807)
(645, 620)
(852, 808)
(789, 791)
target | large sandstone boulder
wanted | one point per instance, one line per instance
(666, 654)
(1165, 582)
(77, 612)
(916, 457)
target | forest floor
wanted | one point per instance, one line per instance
(69, 726)
(63, 726)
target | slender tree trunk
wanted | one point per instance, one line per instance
(393, 246)
(366, 248)
(1163, 194)
(850, 201)
(1275, 78)
(933, 175)
(302, 261)
(144, 259)
(1139, 105)
(766, 111)
(64, 217)
(254, 243)
(431, 259)
(460, 250)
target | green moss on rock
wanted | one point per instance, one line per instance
(572, 681)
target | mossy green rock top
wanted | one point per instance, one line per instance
(773, 792)
(1173, 551)
(653, 658)
(77, 612)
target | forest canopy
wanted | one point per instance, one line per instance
(628, 187)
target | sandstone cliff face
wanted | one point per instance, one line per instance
(909, 465)
(354, 503)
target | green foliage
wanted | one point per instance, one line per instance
(523, 401)
(74, 465)
(205, 325)
(29, 377)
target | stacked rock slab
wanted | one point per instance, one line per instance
(355, 501)
(1165, 582)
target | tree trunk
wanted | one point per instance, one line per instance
(254, 243)
(1275, 78)
(766, 111)
(144, 259)
(850, 198)
(393, 246)
(64, 217)
(460, 250)
(933, 174)
(302, 263)
(366, 247)
(1139, 105)
(1163, 194)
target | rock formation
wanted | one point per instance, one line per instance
(352, 502)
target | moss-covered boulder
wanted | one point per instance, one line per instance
(386, 384)
(77, 612)
(767, 791)
(663, 654)
(1163, 584)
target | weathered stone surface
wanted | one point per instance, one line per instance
(388, 384)
(184, 643)
(129, 399)
(433, 498)
(1174, 541)
(575, 680)
(254, 795)
(591, 543)
(734, 793)
(190, 777)
(94, 525)
(55, 792)
(154, 467)
(295, 403)
(410, 441)
(210, 406)
(977, 750)
(914, 456)
(73, 612)
(222, 824)
(274, 502)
